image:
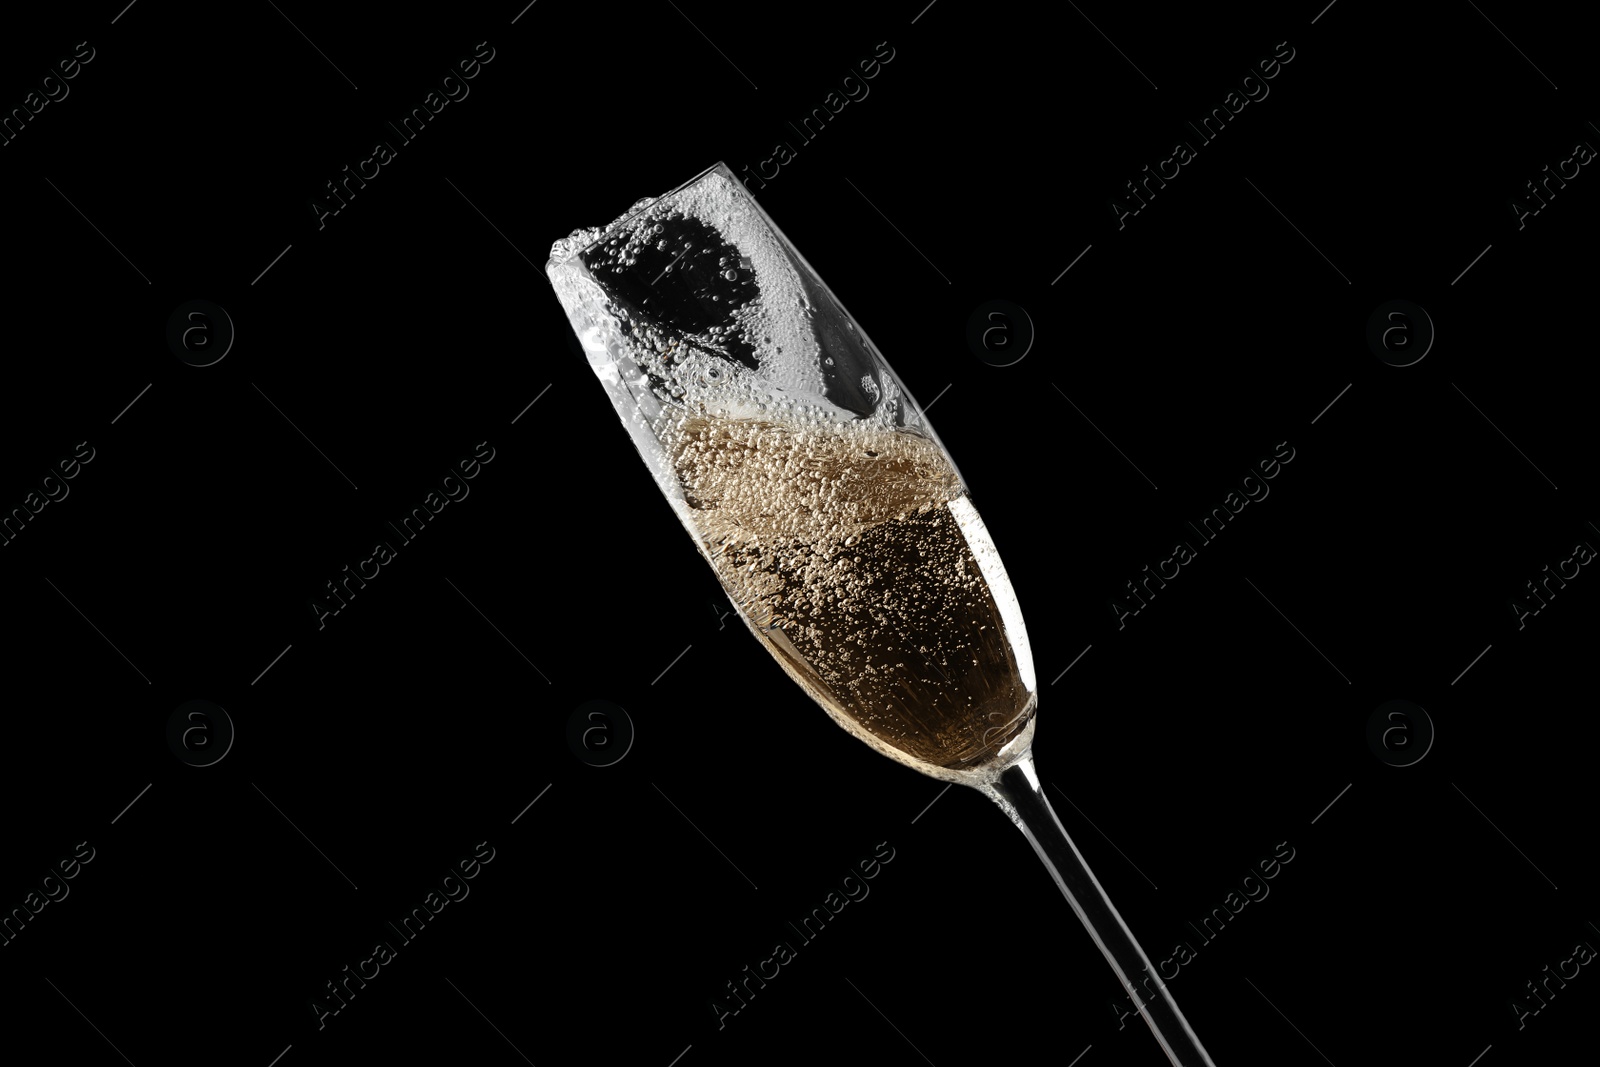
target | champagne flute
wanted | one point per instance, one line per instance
(829, 510)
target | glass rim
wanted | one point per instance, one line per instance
(605, 231)
(574, 259)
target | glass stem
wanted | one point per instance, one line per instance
(1019, 794)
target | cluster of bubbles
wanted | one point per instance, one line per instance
(749, 347)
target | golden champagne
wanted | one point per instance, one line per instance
(851, 553)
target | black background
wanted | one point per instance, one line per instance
(428, 714)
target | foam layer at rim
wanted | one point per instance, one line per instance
(776, 325)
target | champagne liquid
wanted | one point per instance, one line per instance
(851, 551)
